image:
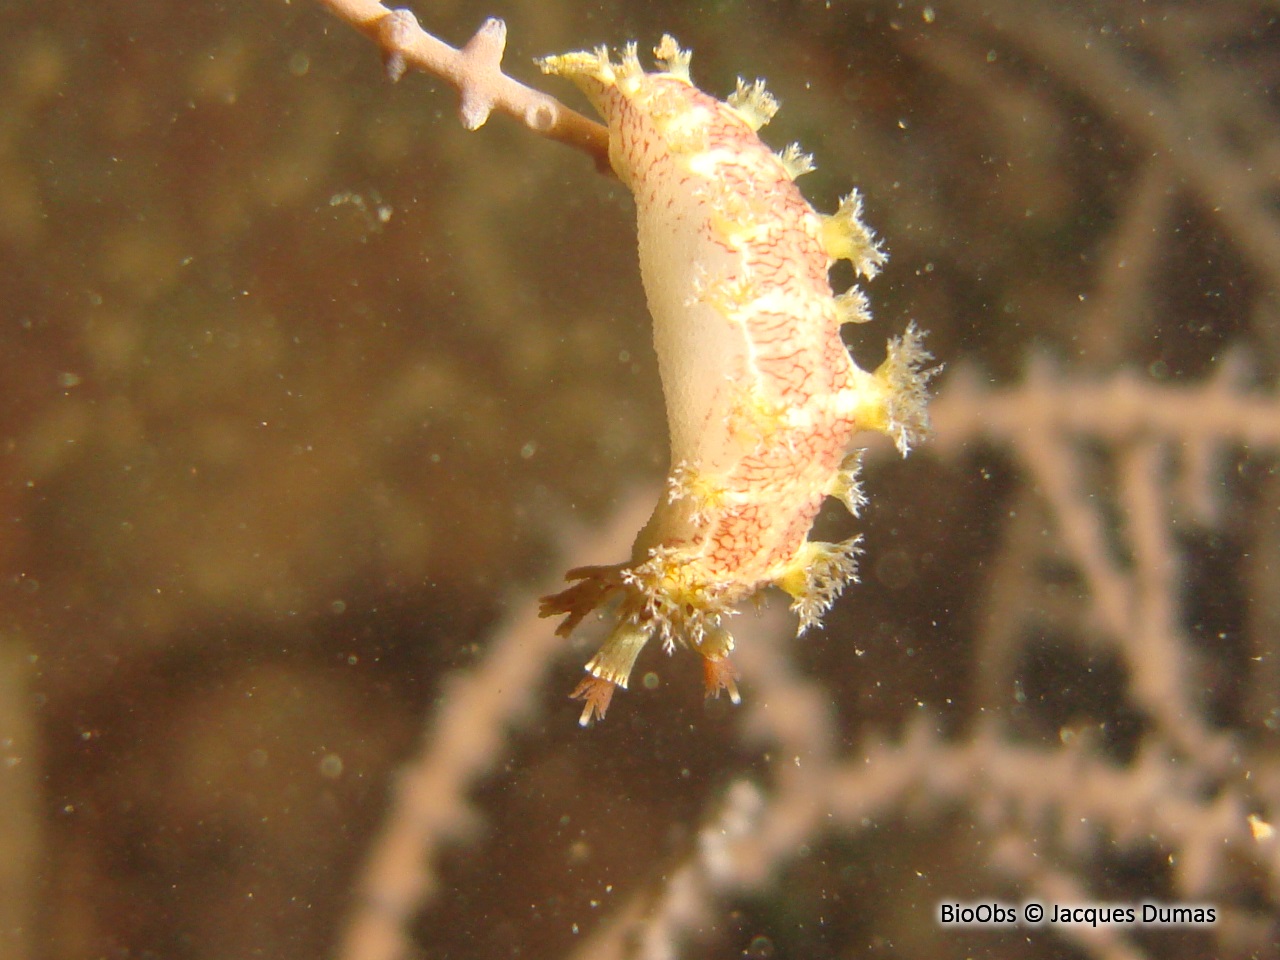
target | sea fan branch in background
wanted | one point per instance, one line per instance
(1119, 470)
(269, 463)
(465, 738)
(1188, 790)
(1047, 813)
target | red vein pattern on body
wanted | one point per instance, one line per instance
(763, 398)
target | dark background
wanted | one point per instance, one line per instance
(305, 388)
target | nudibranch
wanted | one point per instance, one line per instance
(763, 399)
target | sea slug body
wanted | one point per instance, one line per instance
(763, 399)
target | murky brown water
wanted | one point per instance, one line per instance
(304, 384)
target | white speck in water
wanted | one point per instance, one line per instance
(331, 766)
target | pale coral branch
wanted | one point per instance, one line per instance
(1132, 607)
(1160, 655)
(1013, 577)
(462, 741)
(795, 717)
(1117, 408)
(1132, 598)
(686, 901)
(1052, 469)
(1119, 311)
(1018, 855)
(1068, 798)
(476, 72)
(1074, 802)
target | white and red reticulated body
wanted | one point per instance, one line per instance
(763, 399)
